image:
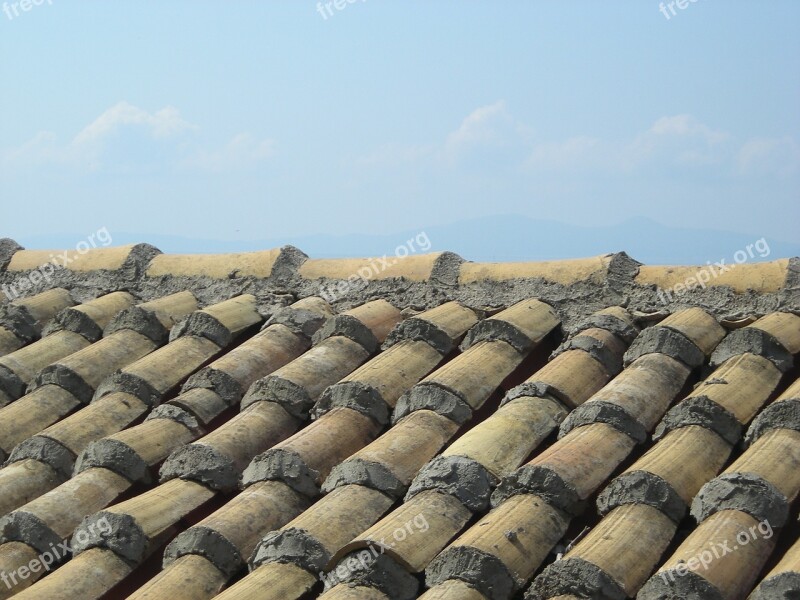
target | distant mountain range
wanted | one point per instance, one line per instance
(497, 238)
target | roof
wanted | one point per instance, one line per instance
(268, 425)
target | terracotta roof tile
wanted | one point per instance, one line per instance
(387, 429)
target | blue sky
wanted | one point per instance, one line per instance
(264, 120)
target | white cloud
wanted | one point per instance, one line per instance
(483, 126)
(162, 124)
(769, 155)
(486, 134)
(43, 147)
(128, 138)
(679, 140)
(687, 126)
(490, 138)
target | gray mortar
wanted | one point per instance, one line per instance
(138, 260)
(744, 492)
(543, 482)
(573, 302)
(293, 398)
(463, 478)
(754, 341)
(203, 464)
(210, 544)
(141, 321)
(288, 263)
(576, 301)
(65, 378)
(663, 340)
(622, 269)
(210, 291)
(279, 464)
(485, 572)
(383, 574)
(126, 539)
(129, 384)
(294, 546)
(354, 395)
(420, 330)
(367, 473)
(600, 411)
(8, 248)
(575, 576)
(268, 303)
(783, 586)
(793, 279)
(792, 284)
(351, 328)
(301, 321)
(496, 329)
(530, 389)
(446, 269)
(436, 397)
(75, 321)
(699, 410)
(642, 487)
(778, 415)
(398, 291)
(19, 321)
(621, 329)
(608, 358)
(11, 384)
(46, 451)
(21, 526)
(671, 585)
(225, 386)
(115, 456)
(202, 324)
(177, 414)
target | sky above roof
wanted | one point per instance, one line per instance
(267, 120)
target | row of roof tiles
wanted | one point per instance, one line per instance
(443, 267)
(314, 497)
